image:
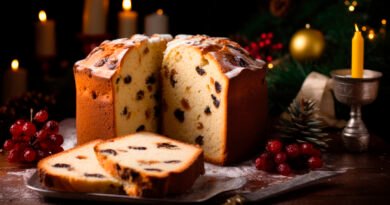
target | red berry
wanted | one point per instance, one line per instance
(13, 156)
(20, 122)
(29, 155)
(274, 146)
(45, 144)
(57, 149)
(26, 138)
(42, 135)
(293, 150)
(29, 129)
(265, 164)
(41, 116)
(315, 162)
(57, 139)
(52, 127)
(16, 130)
(307, 148)
(20, 146)
(8, 145)
(42, 154)
(280, 157)
(284, 169)
(266, 155)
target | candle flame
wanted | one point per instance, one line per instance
(307, 26)
(356, 28)
(42, 16)
(15, 64)
(384, 22)
(371, 35)
(160, 12)
(270, 66)
(126, 5)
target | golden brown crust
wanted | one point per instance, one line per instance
(247, 114)
(94, 107)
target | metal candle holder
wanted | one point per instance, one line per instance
(355, 92)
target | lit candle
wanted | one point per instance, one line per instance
(95, 17)
(357, 54)
(127, 24)
(156, 23)
(45, 38)
(14, 81)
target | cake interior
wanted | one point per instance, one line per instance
(78, 163)
(136, 89)
(193, 106)
(150, 154)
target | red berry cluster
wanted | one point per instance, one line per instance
(33, 140)
(264, 48)
(286, 158)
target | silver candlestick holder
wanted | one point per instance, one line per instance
(355, 92)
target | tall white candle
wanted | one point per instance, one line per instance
(156, 23)
(14, 81)
(127, 24)
(45, 37)
(95, 17)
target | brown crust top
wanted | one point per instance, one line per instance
(230, 54)
(104, 60)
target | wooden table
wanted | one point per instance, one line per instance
(367, 181)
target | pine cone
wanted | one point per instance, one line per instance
(301, 125)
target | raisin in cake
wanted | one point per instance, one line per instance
(151, 165)
(77, 170)
(214, 95)
(116, 87)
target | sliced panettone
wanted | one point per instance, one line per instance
(117, 87)
(151, 165)
(77, 170)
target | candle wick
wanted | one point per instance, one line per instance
(356, 28)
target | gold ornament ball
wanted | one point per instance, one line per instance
(307, 44)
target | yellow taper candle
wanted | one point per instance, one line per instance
(357, 54)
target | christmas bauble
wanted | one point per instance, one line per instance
(307, 44)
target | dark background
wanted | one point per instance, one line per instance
(211, 17)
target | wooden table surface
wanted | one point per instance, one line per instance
(367, 181)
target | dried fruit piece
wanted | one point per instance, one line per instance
(179, 114)
(200, 70)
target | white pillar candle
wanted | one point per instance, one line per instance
(127, 24)
(156, 23)
(14, 81)
(95, 17)
(45, 37)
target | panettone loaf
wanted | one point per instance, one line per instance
(77, 170)
(215, 95)
(151, 165)
(116, 87)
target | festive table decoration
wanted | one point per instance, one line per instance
(357, 54)
(301, 125)
(33, 140)
(127, 23)
(156, 23)
(355, 92)
(95, 17)
(307, 44)
(14, 81)
(45, 36)
(318, 88)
